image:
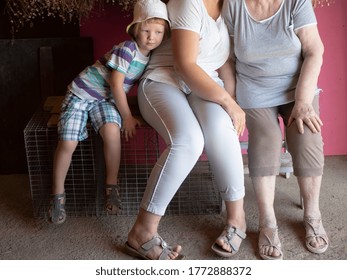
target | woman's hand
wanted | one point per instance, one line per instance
(303, 113)
(237, 115)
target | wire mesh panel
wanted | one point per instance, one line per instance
(83, 175)
(84, 184)
(197, 195)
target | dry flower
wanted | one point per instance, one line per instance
(321, 3)
(23, 12)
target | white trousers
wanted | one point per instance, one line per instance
(188, 124)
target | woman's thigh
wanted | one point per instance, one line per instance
(222, 146)
(264, 141)
(167, 110)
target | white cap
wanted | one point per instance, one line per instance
(147, 9)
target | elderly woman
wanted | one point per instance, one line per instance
(278, 55)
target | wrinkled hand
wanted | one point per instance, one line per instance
(239, 118)
(129, 127)
(304, 114)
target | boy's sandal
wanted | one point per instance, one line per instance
(113, 203)
(314, 229)
(268, 237)
(231, 233)
(147, 247)
(57, 214)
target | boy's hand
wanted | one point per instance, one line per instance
(129, 127)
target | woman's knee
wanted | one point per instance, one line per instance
(191, 142)
(267, 140)
(263, 128)
(307, 152)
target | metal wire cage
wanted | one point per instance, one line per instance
(84, 185)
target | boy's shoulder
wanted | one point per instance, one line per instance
(128, 44)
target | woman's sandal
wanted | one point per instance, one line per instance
(268, 237)
(57, 214)
(113, 203)
(314, 229)
(144, 250)
(231, 233)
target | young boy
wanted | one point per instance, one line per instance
(98, 93)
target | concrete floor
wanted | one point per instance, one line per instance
(101, 238)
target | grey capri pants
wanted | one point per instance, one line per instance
(265, 143)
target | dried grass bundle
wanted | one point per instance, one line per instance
(321, 3)
(23, 12)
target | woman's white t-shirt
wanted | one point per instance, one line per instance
(214, 44)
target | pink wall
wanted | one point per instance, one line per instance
(332, 24)
(108, 28)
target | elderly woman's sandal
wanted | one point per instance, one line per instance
(268, 237)
(228, 237)
(314, 229)
(113, 203)
(57, 214)
(146, 248)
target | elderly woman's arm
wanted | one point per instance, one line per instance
(227, 74)
(312, 51)
(185, 45)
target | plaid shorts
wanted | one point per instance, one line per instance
(76, 112)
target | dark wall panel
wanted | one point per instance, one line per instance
(21, 69)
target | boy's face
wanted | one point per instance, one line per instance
(149, 36)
